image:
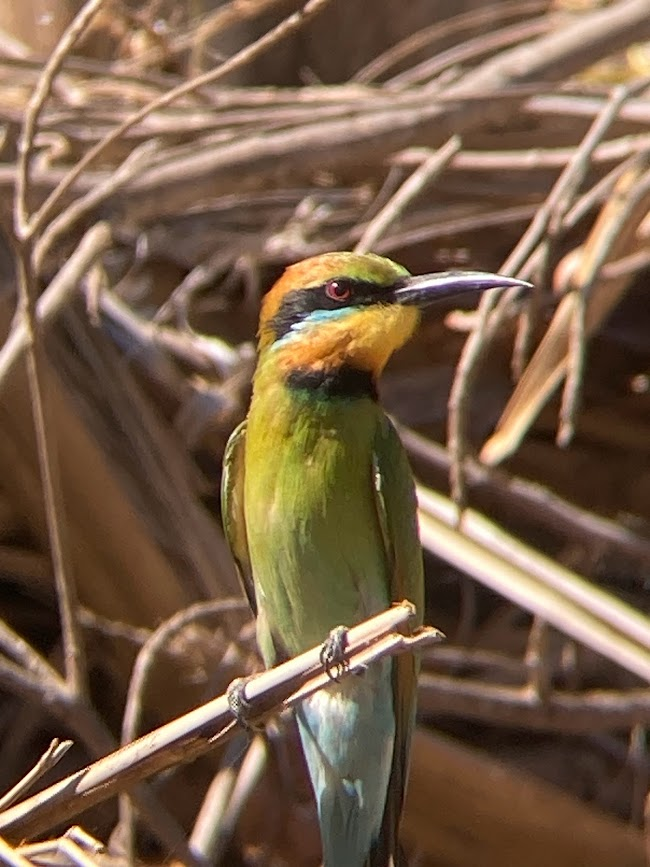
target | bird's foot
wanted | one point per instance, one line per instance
(332, 654)
(239, 705)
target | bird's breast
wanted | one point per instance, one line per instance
(315, 542)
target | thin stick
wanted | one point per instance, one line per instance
(535, 502)
(463, 53)
(72, 639)
(213, 829)
(50, 758)
(598, 710)
(614, 150)
(96, 240)
(555, 210)
(35, 106)
(459, 396)
(612, 235)
(527, 578)
(623, 216)
(412, 187)
(74, 835)
(94, 197)
(32, 338)
(67, 851)
(576, 361)
(558, 201)
(197, 732)
(155, 644)
(247, 54)
(46, 689)
(207, 834)
(71, 635)
(16, 648)
(10, 857)
(480, 17)
(146, 659)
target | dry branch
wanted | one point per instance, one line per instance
(95, 242)
(612, 237)
(198, 731)
(572, 604)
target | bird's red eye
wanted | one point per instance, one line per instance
(337, 291)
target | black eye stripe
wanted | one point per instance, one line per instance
(297, 305)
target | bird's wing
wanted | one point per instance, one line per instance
(232, 510)
(397, 511)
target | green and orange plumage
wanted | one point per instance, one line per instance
(319, 508)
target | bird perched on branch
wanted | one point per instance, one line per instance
(319, 509)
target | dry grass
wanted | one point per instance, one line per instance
(153, 190)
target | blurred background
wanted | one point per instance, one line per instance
(178, 156)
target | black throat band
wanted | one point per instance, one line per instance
(342, 382)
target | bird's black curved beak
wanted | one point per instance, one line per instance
(429, 288)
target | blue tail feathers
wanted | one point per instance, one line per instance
(350, 774)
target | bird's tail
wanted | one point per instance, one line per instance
(386, 850)
(347, 732)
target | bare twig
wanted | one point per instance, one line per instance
(247, 54)
(73, 655)
(585, 105)
(612, 234)
(536, 502)
(534, 582)
(23, 223)
(201, 353)
(46, 689)
(605, 242)
(83, 206)
(552, 214)
(521, 708)
(196, 732)
(412, 187)
(75, 846)
(470, 50)
(146, 660)
(28, 335)
(637, 760)
(536, 659)
(134, 635)
(474, 18)
(556, 204)
(576, 361)
(459, 396)
(95, 242)
(156, 643)
(208, 833)
(512, 160)
(16, 648)
(50, 758)
(213, 828)
(10, 857)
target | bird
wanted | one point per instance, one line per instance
(319, 510)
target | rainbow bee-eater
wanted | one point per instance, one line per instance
(320, 512)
